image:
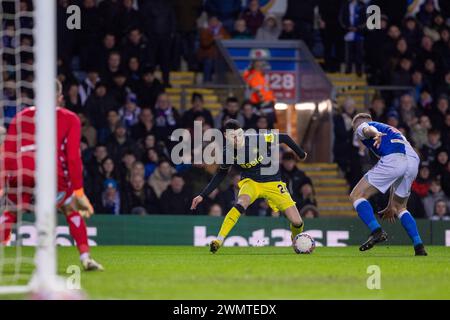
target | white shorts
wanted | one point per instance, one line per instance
(396, 170)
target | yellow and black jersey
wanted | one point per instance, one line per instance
(252, 159)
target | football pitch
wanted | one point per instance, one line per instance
(168, 272)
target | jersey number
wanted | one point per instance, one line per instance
(282, 188)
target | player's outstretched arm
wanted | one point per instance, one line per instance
(213, 184)
(80, 202)
(372, 132)
(287, 140)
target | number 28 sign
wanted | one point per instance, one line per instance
(283, 84)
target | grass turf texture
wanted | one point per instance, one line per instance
(141, 272)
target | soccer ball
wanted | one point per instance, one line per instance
(304, 243)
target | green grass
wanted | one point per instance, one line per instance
(262, 273)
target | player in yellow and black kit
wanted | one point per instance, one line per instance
(255, 183)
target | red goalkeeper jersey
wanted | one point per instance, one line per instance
(20, 147)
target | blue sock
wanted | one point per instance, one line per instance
(409, 224)
(365, 213)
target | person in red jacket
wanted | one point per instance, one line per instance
(18, 169)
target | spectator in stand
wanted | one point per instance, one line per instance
(87, 86)
(331, 33)
(114, 65)
(229, 195)
(187, 13)
(440, 164)
(225, 11)
(119, 142)
(343, 150)
(110, 198)
(130, 112)
(88, 131)
(445, 180)
(106, 170)
(196, 110)
(134, 73)
(378, 109)
(419, 131)
(108, 45)
(151, 162)
(309, 212)
(215, 210)
(230, 111)
(249, 114)
(119, 87)
(305, 196)
(438, 115)
(446, 131)
(288, 30)
(441, 211)
(444, 88)
(149, 89)
(270, 29)
(66, 38)
(167, 118)
(72, 98)
(160, 27)
(412, 32)
(408, 110)
(427, 13)
(91, 32)
(421, 185)
(302, 13)
(433, 196)
(109, 11)
(135, 45)
(176, 199)
(100, 153)
(262, 123)
(140, 195)
(240, 31)
(253, 16)
(208, 53)
(128, 17)
(429, 149)
(262, 96)
(291, 175)
(98, 105)
(112, 120)
(161, 177)
(352, 19)
(126, 165)
(144, 127)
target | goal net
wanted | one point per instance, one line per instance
(27, 77)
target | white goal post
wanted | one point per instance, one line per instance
(44, 34)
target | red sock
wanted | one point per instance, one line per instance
(78, 231)
(6, 223)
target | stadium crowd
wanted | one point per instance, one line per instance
(108, 71)
(410, 53)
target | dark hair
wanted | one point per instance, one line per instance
(288, 156)
(231, 124)
(232, 100)
(195, 96)
(177, 175)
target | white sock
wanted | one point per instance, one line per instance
(84, 256)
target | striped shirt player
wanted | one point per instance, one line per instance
(396, 170)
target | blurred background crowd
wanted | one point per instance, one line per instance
(116, 69)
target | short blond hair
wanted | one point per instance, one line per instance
(364, 116)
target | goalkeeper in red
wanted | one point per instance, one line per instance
(18, 175)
